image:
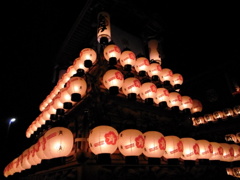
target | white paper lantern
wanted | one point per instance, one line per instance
(131, 142)
(174, 147)
(103, 139)
(154, 145)
(190, 149)
(59, 142)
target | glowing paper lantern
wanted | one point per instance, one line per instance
(131, 87)
(217, 151)
(59, 142)
(40, 147)
(176, 81)
(154, 145)
(89, 56)
(112, 53)
(197, 106)
(154, 70)
(79, 66)
(65, 98)
(228, 152)
(166, 76)
(131, 142)
(103, 139)
(175, 100)
(141, 66)
(127, 59)
(77, 87)
(174, 147)
(190, 149)
(236, 150)
(162, 96)
(153, 51)
(205, 149)
(32, 158)
(148, 92)
(104, 28)
(24, 160)
(186, 104)
(113, 80)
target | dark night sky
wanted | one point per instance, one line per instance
(34, 30)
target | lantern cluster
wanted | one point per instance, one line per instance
(153, 144)
(74, 90)
(56, 142)
(217, 115)
(70, 89)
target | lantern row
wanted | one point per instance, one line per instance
(233, 171)
(217, 115)
(72, 87)
(56, 142)
(153, 144)
(233, 137)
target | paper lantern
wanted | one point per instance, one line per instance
(175, 100)
(112, 53)
(59, 142)
(113, 80)
(186, 104)
(77, 87)
(65, 98)
(174, 147)
(162, 96)
(89, 56)
(32, 158)
(217, 115)
(79, 66)
(131, 142)
(236, 150)
(141, 66)
(127, 59)
(103, 139)
(205, 149)
(131, 87)
(209, 118)
(40, 147)
(197, 106)
(166, 76)
(154, 70)
(217, 151)
(104, 28)
(153, 51)
(154, 144)
(24, 160)
(70, 72)
(176, 81)
(148, 92)
(236, 109)
(190, 149)
(228, 152)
